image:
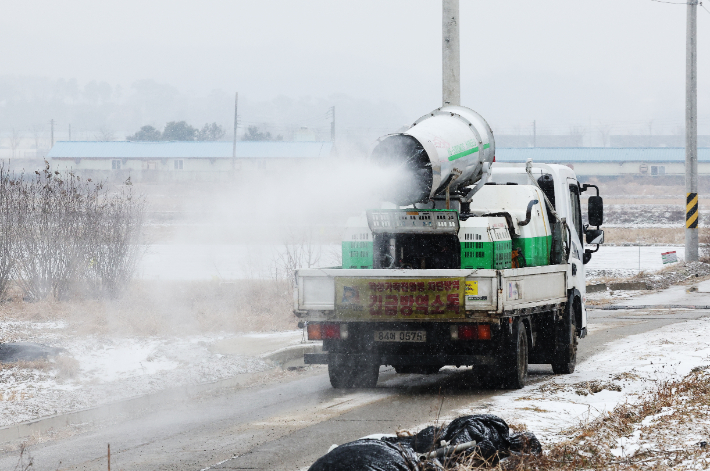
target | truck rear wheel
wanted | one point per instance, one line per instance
(346, 373)
(365, 375)
(515, 367)
(339, 375)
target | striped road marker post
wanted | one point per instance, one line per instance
(691, 211)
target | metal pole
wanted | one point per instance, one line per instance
(691, 134)
(70, 131)
(332, 124)
(234, 142)
(451, 56)
(52, 132)
(534, 133)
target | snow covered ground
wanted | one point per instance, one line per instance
(630, 368)
(629, 260)
(96, 370)
(623, 373)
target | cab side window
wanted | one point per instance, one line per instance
(576, 208)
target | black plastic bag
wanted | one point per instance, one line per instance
(489, 431)
(525, 443)
(491, 434)
(368, 455)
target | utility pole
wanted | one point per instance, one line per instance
(51, 132)
(451, 53)
(691, 134)
(70, 131)
(534, 133)
(234, 142)
(332, 123)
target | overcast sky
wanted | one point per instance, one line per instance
(558, 61)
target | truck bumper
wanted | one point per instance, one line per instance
(393, 359)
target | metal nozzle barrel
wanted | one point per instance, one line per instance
(445, 148)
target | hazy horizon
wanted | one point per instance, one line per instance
(567, 65)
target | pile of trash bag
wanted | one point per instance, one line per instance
(483, 436)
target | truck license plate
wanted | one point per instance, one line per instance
(400, 336)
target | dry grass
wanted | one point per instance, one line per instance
(684, 406)
(40, 365)
(644, 235)
(152, 308)
(63, 366)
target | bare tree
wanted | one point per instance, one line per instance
(604, 132)
(297, 251)
(578, 133)
(104, 134)
(15, 141)
(7, 228)
(74, 237)
(37, 132)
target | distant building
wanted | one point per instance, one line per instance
(541, 140)
(182, 161)
(655, 141)
(611, 161)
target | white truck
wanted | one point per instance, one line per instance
(473, 264)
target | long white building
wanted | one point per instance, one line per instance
(182, 161)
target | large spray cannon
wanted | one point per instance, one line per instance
(442, 152)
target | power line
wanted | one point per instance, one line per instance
(681, 3)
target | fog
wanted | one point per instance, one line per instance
(564, 64)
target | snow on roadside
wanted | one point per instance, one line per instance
(621, 373)
(96, 370)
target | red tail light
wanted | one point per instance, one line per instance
(327, 331)
(472, 332)
(468, 332)
(331, 331)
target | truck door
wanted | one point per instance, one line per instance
(577, 250)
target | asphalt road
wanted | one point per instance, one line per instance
(287, 425)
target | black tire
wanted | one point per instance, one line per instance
(346, 373)
(365, 375)
(565, 356)
(515, 366)
(340, 374)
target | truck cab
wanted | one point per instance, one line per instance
(563, 190)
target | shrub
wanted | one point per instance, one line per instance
(68, 236)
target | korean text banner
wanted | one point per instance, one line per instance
(373, 299)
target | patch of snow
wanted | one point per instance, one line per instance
(630, 368)
(94, 370)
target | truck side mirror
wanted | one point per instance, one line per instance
(595, 211)
(595, 236)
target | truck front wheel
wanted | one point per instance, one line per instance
(515, 367)
(565, 356)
